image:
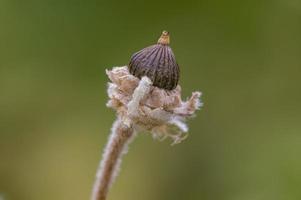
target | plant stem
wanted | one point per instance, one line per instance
(108, 169)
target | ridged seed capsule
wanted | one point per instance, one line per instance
(158, 63)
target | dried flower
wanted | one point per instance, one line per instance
(158, 63)
(146, 96)
(146, 107)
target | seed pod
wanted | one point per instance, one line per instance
(158, 63)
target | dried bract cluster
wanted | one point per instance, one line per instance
(144, 107)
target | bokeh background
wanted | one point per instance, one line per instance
(245, 144)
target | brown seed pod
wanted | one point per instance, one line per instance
(158, 63)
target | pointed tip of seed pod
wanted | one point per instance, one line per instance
(164, 38)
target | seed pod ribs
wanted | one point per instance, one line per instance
(158, 63)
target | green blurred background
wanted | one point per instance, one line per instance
(245, 144)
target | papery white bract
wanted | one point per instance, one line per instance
(148, 108)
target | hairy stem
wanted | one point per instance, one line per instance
(108, 169)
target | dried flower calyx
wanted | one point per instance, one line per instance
(158, 63)
(144, 107)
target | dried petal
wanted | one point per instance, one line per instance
(150, 108)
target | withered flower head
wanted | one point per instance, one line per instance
(144, 107)
(158, 63)
(146, 97)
